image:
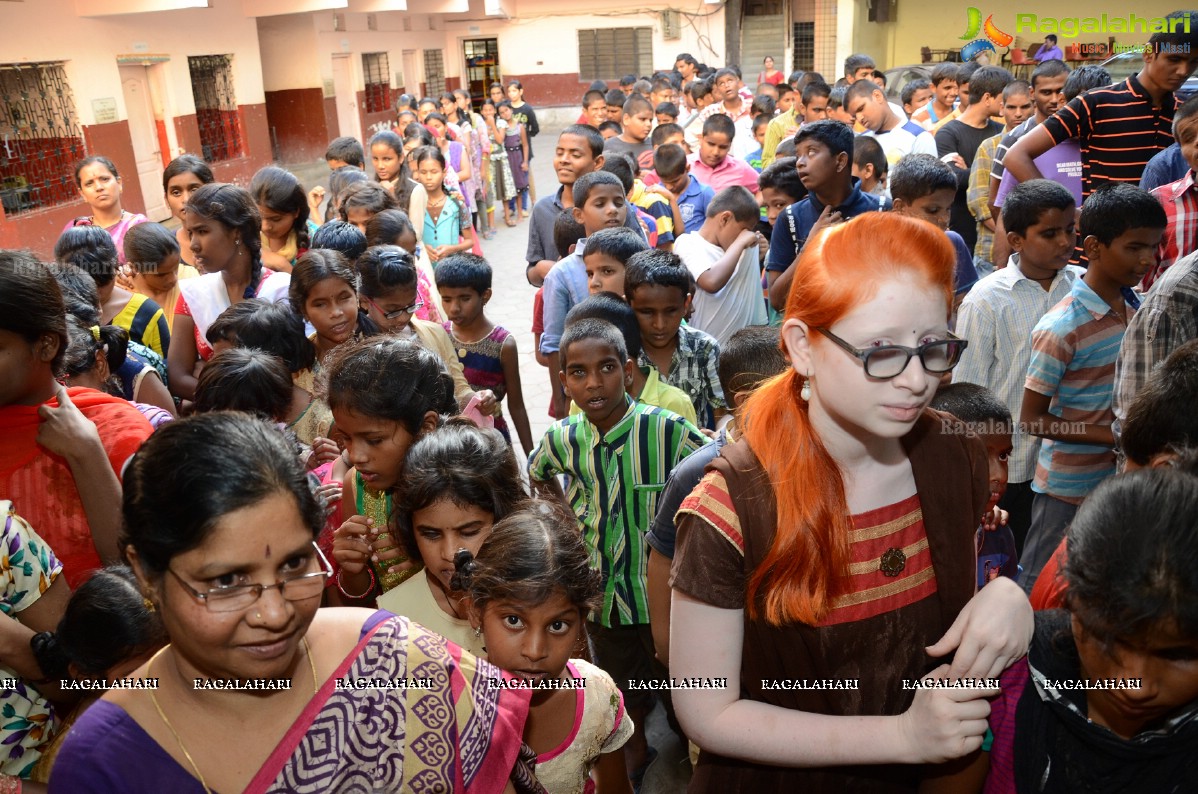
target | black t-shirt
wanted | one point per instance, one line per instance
(957, 136)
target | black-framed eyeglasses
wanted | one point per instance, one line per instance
(889, 361)
(300, 587)
(398, 312)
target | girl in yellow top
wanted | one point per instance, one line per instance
(153, 253)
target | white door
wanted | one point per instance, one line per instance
(144, 135)
(348, 120)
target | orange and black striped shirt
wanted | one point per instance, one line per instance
(1118, 130)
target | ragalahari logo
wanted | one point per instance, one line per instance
(976, 46)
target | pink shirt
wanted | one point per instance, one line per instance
(732, 171)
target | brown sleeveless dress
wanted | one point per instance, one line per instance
(872, 640)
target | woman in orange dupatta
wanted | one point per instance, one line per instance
(260, 690)
(61, 450)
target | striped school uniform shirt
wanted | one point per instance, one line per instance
(146, 323)
(1118, 130)
(615, 479)
(1074, 347)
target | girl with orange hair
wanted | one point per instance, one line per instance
(826, 558)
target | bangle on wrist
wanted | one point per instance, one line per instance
(369, 588)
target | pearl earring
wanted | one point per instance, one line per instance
(805, 392)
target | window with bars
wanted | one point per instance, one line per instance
(434, 73)
(804, 39)
(376, 69)
(40, 138)
(221, 136)
(609, 53)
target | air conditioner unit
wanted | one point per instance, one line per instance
(671, 25)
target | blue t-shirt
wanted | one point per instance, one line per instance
(795, 222)
(1167, 165)
(693, 204)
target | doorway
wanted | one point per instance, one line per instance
(147, 131)
(482, 67)
(349, 122)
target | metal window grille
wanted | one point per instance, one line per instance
(804, 39)
(40, 139)
(608, 53)
(377, 70)
(434, 73)
(221, 136)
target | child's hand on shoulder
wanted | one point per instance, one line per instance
(124, 277)
(353, 544)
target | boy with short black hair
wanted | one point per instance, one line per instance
(599, 203)
(944, 96)
(958, 140)
(723, 258)
(646, 383)
(594, 108)
(824, 161)
(923, 187)
(753, 356)
(836, 110)
(915, 95)
(673, 172)
(657, 287)
(988, 419)
(869, 164)
(606, 257)
(610, 129)
(615, 104)
(662, 92)
(628, 84)
(859, 66)
(999, 313)
(812, 105)
(701, 95)
(666, 113)
(781, 186)
(655, 207)
(1068, 394)
(667, 133)
(345, 150)
(637, 123)
(486, 351)
(867, 104)
(712, 165)
(579, 152)
(610, 453)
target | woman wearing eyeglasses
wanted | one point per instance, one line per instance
(833, 545)
(251, 696)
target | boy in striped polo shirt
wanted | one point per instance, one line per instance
(617, 455)
(1119, 128)
(1067, 398)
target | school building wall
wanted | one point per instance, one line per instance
(539, 45)
(90, 48)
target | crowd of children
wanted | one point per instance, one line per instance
(839, 379)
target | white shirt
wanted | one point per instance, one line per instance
(900, 142)
(739, 304)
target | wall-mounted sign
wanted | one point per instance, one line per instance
(104, 110)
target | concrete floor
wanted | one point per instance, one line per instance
(511, 307)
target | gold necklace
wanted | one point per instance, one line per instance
(178, 740)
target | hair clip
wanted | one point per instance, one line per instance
(95, 329)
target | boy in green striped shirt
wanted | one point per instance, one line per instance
(617, 454)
